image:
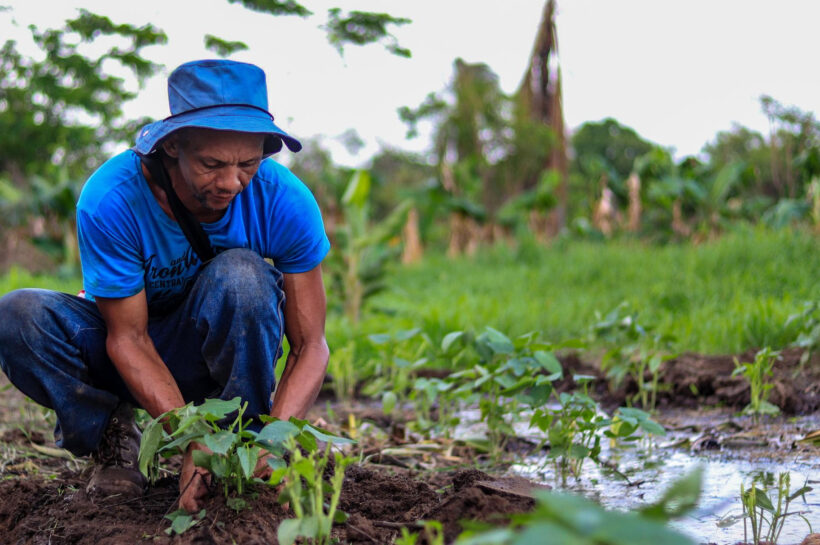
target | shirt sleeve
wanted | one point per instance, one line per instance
(300, 235)
(111, 260)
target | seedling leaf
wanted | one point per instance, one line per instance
(220, 442)
(149, 445)
(217, 409)
(288, 531)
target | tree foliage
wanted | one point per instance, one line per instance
(59, 108)
(361, 28)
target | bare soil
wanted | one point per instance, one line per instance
(379, 501)
(697, 380)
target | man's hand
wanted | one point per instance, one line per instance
(193, 481)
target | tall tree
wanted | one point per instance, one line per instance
(539, 98)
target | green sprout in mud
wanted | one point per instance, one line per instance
(575, 426)
(766, 506)
(635, 351)
(235, 448)
(313, 500)
(758, 373)
(399, 355)
(508, 376)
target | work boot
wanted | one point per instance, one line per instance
(116, 459)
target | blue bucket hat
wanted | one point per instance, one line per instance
(217, 94)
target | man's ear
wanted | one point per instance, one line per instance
(171, 146)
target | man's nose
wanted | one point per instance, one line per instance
(230, 180)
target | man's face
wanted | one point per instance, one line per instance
(215, 166)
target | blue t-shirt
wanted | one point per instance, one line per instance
(128, 243)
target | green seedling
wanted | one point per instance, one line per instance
(235, 449)
(562, 519)
(636, 351)
(182, 521)
(314, 500)
(574, 429)
(508, 376)
(766, 507)
(757, 373)
(399, 354)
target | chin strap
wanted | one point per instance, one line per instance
(192, 229)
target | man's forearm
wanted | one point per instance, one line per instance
(301, 381)
(145, 374)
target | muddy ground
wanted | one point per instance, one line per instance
(43, 498)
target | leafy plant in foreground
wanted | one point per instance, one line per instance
(757, 373)
(314, 500)
(235, 448)
(766, 513)
(565, 519)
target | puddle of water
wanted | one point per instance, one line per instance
(652, 470)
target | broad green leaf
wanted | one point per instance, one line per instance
(389, 401)
(247, 459)
(762, 500)
(217, 409)
(548, 361)
(358, 189)
(309, 527)
(220, 442)
(497, 536)
(277, 432)
(450, 339)
(650, 426)
(380, 338)
(202, 459)
(548, 533)
(149, 444)
(305, 468)
(678, 499)
(288, 531)
(326, 436)
(407, 334)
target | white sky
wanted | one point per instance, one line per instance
(677, 72)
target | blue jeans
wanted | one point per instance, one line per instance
(222, 341)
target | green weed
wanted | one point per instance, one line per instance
(766, 506)
(757, 373)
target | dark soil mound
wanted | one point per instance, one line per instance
(380, 503)
(693, 380)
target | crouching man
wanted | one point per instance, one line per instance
(159, 327)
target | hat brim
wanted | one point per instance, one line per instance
(224, 118)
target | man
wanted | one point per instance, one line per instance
(157, 328)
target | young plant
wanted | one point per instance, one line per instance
(398, 355)
(764, 512)
(235, 448)
(508, 376)
(572, 432)
(757, 373)
(314, 500)
(575, 426)
(635, 352)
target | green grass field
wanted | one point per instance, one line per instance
(722, 296)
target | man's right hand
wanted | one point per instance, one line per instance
(193, 481)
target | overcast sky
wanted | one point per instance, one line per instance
(677, 72)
